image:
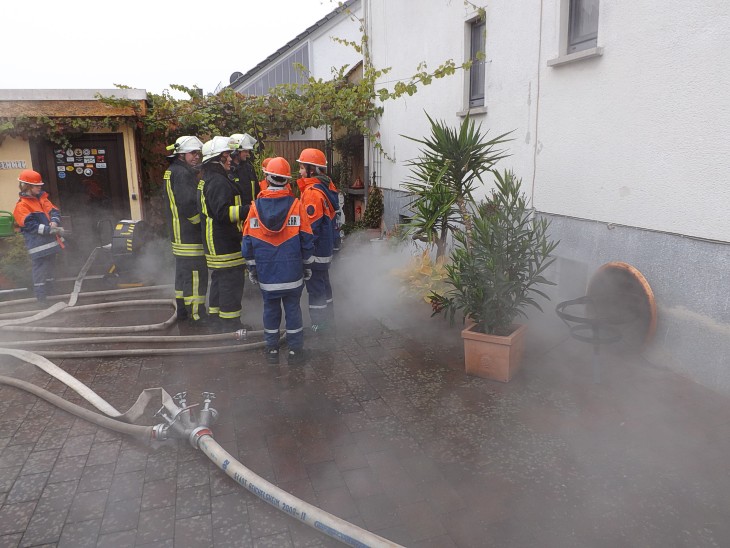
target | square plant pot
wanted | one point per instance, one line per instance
(493, 356)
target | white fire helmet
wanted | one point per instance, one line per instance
(186, 143)
(216, 146)
(243, 141)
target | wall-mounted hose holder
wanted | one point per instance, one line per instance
(618, 310)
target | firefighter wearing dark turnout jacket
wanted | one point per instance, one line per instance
(183, 222)
(242, 170)
(223, 206)
(277, 246)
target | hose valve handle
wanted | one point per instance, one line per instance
(208, 397)
(180, 398)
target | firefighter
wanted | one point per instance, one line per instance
(242, 168)
(40, 222)
(222, 209)
(321, 204)
(263, 184)
(183, 221)
(278, 245)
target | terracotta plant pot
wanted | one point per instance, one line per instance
(493, 356)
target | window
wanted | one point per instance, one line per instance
(582, 25)
(476, 56)
(578, 32)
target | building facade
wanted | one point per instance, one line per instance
(619, 118)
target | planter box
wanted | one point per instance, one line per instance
(492, 356)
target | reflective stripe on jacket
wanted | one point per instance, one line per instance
(277, 240)
(321, 204)
(33, 216)
(181, 210)
(221, 213)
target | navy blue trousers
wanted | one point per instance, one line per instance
(42, 272)
(273, 301)
(321, 305)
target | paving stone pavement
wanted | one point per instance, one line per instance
(381, 427)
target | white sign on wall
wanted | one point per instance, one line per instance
(14, 164)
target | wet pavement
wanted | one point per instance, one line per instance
(381, 427)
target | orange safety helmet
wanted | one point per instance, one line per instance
(278, 167)
(265, 163)
(312, 156)
(30, 177)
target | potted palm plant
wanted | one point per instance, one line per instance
(496, 266)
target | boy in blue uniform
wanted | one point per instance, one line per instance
(278, 245)
(321, 205)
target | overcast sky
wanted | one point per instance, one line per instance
(146, 44)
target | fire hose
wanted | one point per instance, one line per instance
(179, 421)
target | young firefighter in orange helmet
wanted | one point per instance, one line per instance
(277, 245)
(39, 221)
(321, 204)
(263, 184)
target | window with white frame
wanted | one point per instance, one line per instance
(477, 38)
(582, 25)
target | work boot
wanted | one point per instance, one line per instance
(202, 323)
(182, 313)
(272, 355)
(295, 356)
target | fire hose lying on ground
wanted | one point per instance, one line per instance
(178, 419)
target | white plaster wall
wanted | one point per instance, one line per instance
(327, 55)
(638, 136)
(404, 34)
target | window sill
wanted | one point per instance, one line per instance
(472, 111)
(577, 56)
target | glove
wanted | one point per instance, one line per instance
(57, 230)
(253, 277)
(307, 273)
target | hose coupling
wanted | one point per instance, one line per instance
(198, 433)
(160, 432)
(241, 335)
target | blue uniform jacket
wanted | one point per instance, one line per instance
(321, 203)
(277, 240)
